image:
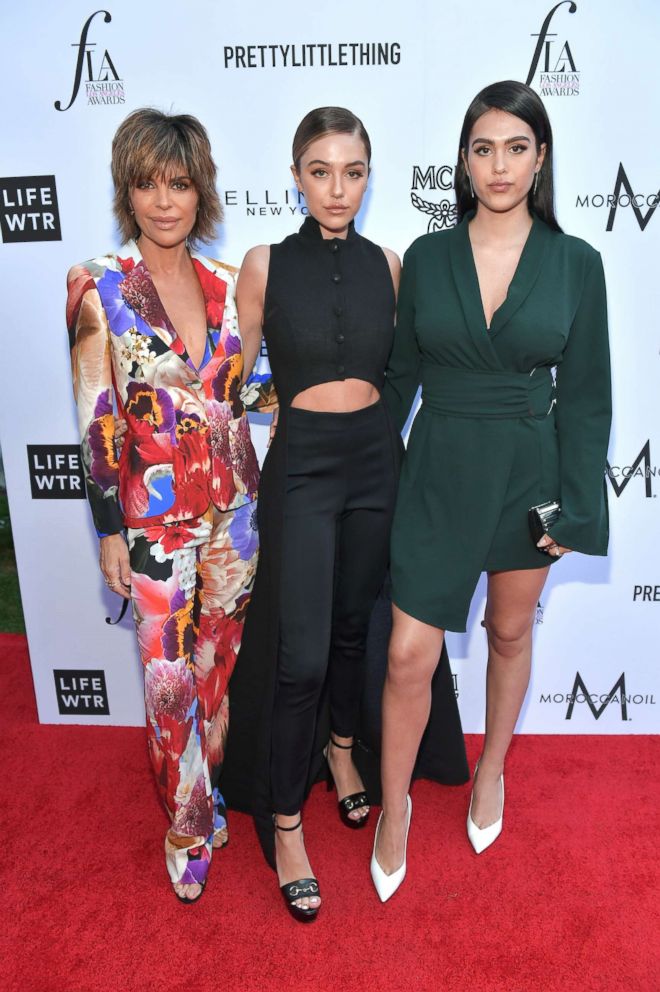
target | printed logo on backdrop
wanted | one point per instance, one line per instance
(96, 68)
(29, 209)
(641, 468)
(435, 181)
(598, 702)
(56, 471)
(553, 70)
(646, 594)
(643, 205)
(318, 55)
(266, 202)
(81, 692)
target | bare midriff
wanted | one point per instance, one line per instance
(341, 396)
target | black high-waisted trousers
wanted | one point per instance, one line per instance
(340, 493)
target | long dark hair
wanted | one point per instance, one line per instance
(521, 101)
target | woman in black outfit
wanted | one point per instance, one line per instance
(324, 300)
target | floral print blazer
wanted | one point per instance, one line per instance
(188, 439)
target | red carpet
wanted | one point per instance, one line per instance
(566, 901)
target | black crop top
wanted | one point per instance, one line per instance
(328, 310)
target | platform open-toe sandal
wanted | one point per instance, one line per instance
(291, 891)
(186, 899)
(347, 805)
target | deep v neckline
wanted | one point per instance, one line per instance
(170, 326)
(520, 266)
(159, 314)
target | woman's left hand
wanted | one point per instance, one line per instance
(551, 547)
(120, 429)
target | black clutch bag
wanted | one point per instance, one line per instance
(542, 517)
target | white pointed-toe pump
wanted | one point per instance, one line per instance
(386, 885)
(483, 837)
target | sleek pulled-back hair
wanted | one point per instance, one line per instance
(521, 101)
(327, 120)
(152, 145)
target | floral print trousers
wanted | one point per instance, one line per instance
(191, 583)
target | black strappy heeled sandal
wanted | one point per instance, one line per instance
(357, 800)
(291, 891)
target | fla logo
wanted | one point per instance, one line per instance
(102, 82)
(553, 69)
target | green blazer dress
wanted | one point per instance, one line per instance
(497, 432)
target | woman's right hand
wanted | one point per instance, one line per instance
(115, 564)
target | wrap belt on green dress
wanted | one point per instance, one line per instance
(457, 392)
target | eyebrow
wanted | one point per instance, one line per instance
(320, 161)
(507, 141)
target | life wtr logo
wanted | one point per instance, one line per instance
(29, 210)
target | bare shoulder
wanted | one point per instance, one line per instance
(393, 260)
(253, 276)
(256, 260)
(394, 263)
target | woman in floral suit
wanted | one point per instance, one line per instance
(154, 341)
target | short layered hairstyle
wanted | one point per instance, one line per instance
(150, 144)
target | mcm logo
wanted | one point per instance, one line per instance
(442, 214)
(102, 82)
(642, 467)
(559, 75)
(629, 198)
(581, 694)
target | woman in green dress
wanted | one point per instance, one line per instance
(486, 311)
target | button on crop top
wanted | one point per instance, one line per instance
(328, 310)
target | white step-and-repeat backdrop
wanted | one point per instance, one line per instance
(71, 73)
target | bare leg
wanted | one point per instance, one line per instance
(413, 657)
(512, 599)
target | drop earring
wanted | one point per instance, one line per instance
(536, 182)
(471, 186)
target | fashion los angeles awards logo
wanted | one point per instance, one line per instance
(643, 205)
(96, 69)
(553, 69)
(438, 180)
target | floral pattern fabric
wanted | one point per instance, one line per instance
(188, 439)
(185, 486)
(191, 584)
